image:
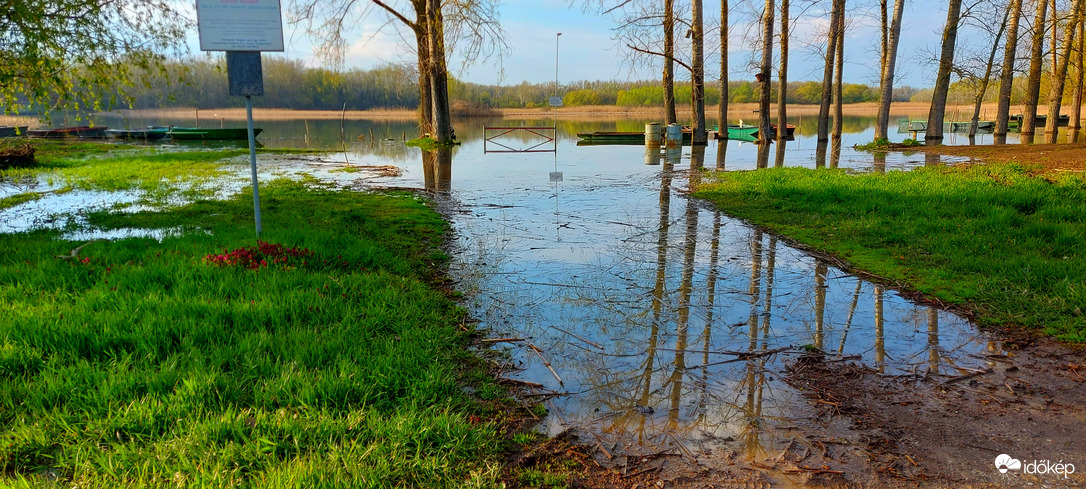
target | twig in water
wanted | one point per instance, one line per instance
(968, 376)
(547, 363)
(597, 345)
(501, 340)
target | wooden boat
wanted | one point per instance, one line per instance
(81, 132)
(150, 133)
(905, 125)
(211, 134)
(12, 131)
(620, 137)
(745, 132)
(1041, 120)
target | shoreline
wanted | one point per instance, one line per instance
(910, 110)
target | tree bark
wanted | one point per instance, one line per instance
(426, 102)
(722, 109)
(697, 74)
(1006, 75)
(1076, 101)
(765, 70)
(942, 79)
(439, 82)
(1059, 76)
(1033, 83)
(782, 86)
(669, 62)
(891, 37)
(827, 77)
(839, 67)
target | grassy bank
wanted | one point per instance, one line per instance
(995, 239)
(319, 357)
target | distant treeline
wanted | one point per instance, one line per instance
(289, 84)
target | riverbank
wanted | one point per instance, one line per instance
(1002, 242)
(325, 353)
(747, 111)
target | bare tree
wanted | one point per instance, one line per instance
(980, 82)
(1006, 76)
(1076, 102)
(697, 74)
(1059, 75)
(942, 78)
(669, 62)
(782, 86)
(764, 71)
(1033, 83)
(474, 23)
(891, 34)
(827, 75)
(722, 109)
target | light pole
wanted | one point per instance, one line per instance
(556, 63)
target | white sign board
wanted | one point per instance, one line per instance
(240, 25)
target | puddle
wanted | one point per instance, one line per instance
(662, 324)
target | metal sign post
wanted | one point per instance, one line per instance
(243, 30)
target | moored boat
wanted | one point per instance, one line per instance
(12, 131)
(746, 132)
(211, 134)
(81, 132)
(150, 133)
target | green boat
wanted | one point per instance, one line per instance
(210, 134)
(745, 132)
(617, 137)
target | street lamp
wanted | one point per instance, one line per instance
(555, 101)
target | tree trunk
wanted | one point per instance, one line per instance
(942, 79)
(1076, 101)
(439, 82)
(1033, 83)
(669, 62)
(697, 74)
(1059, 76)
(782, 87)
(839, 66)
(827, 77)
(765, 70)
(1006, 76)
(722, 109)
(987, 76)
(891, 36)
(426, 103)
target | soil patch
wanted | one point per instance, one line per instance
(1050, 158)
(945, 429)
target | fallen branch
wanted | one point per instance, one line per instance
(502, 340)
(76, 251)
(968, 376)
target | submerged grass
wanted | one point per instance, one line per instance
(996, 239)
(143, 363)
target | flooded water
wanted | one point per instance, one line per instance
(661, 324)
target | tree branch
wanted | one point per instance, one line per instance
(396, 14)
(654, 53)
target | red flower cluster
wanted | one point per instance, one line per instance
(260, 256)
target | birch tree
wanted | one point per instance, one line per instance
(82, 54)
(764, 72)
(697, 74)
(782, 87)
(722, 109)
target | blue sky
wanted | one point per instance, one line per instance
(587, 51)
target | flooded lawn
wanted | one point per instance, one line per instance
(653, 326)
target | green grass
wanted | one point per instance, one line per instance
(14, 200)
(145, 364)
(996, 239)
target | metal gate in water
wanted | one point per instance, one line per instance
(520, 139)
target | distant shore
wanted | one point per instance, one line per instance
(912, 110)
